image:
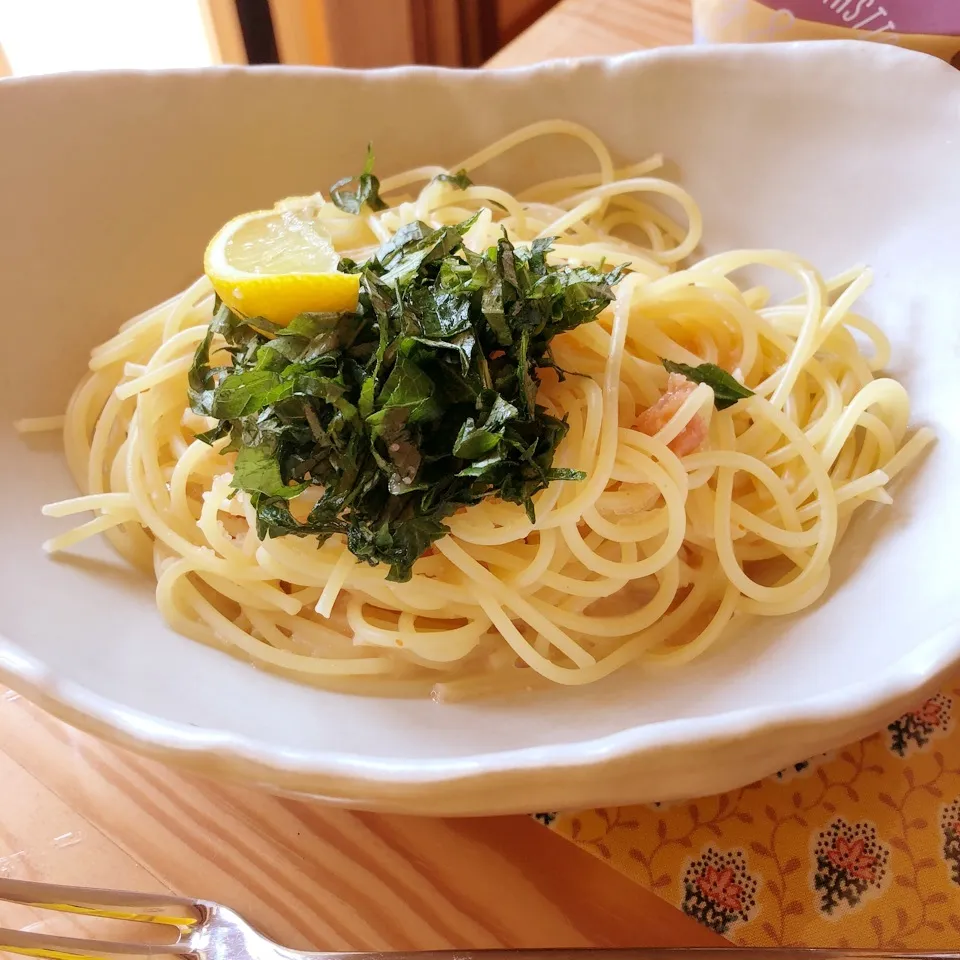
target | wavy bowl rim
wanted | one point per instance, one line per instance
(371, 782)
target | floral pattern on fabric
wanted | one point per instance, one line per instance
(915, 729)
(950, 825)
(718, 890)
(857, 848)
(849, 861)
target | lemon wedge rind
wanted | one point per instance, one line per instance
(279, 263)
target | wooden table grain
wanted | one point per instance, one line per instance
(581, 28)
(76, 811)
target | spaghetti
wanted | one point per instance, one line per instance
(689, 516)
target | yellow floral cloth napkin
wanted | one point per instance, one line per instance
(858, 848)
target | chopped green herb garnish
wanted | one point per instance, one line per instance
(421, 403)
(726, 389)
(460, 180)
(351, 194)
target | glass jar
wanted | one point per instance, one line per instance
(931, 26)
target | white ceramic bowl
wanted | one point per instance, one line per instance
(110, 186)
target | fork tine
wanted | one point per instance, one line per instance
(112, 904)
(69, 948)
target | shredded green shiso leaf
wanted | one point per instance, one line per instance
(727, 390)
(422, 402)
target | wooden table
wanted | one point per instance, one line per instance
(581, 28)
(75, 811)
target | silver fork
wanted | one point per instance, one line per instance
(205, 930)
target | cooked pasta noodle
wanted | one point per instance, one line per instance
(688, 518)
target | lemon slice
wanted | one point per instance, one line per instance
(279, 263)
